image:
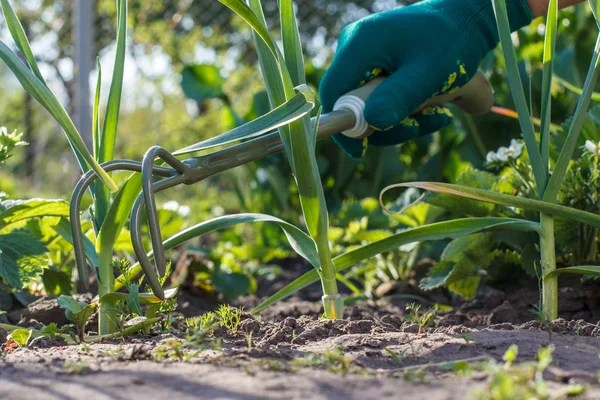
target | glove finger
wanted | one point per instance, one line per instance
(399, 95)
(347, 70)
(407, 130)
(433, 119)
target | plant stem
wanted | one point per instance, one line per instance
(106, 285)
(548, 261)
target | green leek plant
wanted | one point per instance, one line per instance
(547, 183)
(109, 218)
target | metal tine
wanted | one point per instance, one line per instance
(148, 192)
(150, 269)
(75, 205)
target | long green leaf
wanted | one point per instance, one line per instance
(487, 196)
(569, 86)
(583, 105)
(39, 91)
(437, 231)
(300, 241)
(118, 214)
(540, 170)
(292, 47)
(299, 106)
(18, 34)
(548, 72)
(111, 118)
(595, 6)
(277, 79)
(583, 270)
(96, 116)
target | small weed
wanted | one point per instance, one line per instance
(229, 317)
(399, 358)
(522, 381)
(249, 341)
(468, 340)
(423, 319)
(334, 361)
(75, 368)
(118, 353)
(174, 349)
(84, 348)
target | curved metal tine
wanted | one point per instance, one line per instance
(148, 191)
(150, 269)
(75, 205)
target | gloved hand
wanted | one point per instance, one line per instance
(429, 48)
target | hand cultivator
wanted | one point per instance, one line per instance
(475, 98)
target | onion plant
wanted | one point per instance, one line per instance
(108, 218)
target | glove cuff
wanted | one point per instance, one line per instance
(479, 20)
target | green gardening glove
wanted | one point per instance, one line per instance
(429, 48)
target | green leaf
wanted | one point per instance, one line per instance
(63, 228)
(299, 106)
(39, 91)
(566, 153)
(593, 270)
(20, 210)
(22, 258)
(273, 74)
(292, 47)
(300, 241)
(438, 231)
(77, 312)
(230, 285)
(18, 34)
(459, 206)
(56, 282)
(506, 200)
(569, 86)
(201, 82)
(70, 304)
(133, 299)
(462, 265)
(96, 117)
(21, 336)
(111, 118)
(540, 170)
(548, 72)
(126, 332)
(595, 6)
(118, 214)
(143, 298)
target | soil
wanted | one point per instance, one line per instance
(288, 352)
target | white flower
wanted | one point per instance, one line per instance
(171, 205)
(592, 147)
(503, 154)
(184, 211)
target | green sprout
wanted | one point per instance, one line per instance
(229, 317)
(423, 319)
(77, 312)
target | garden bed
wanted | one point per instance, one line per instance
(375, 352)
